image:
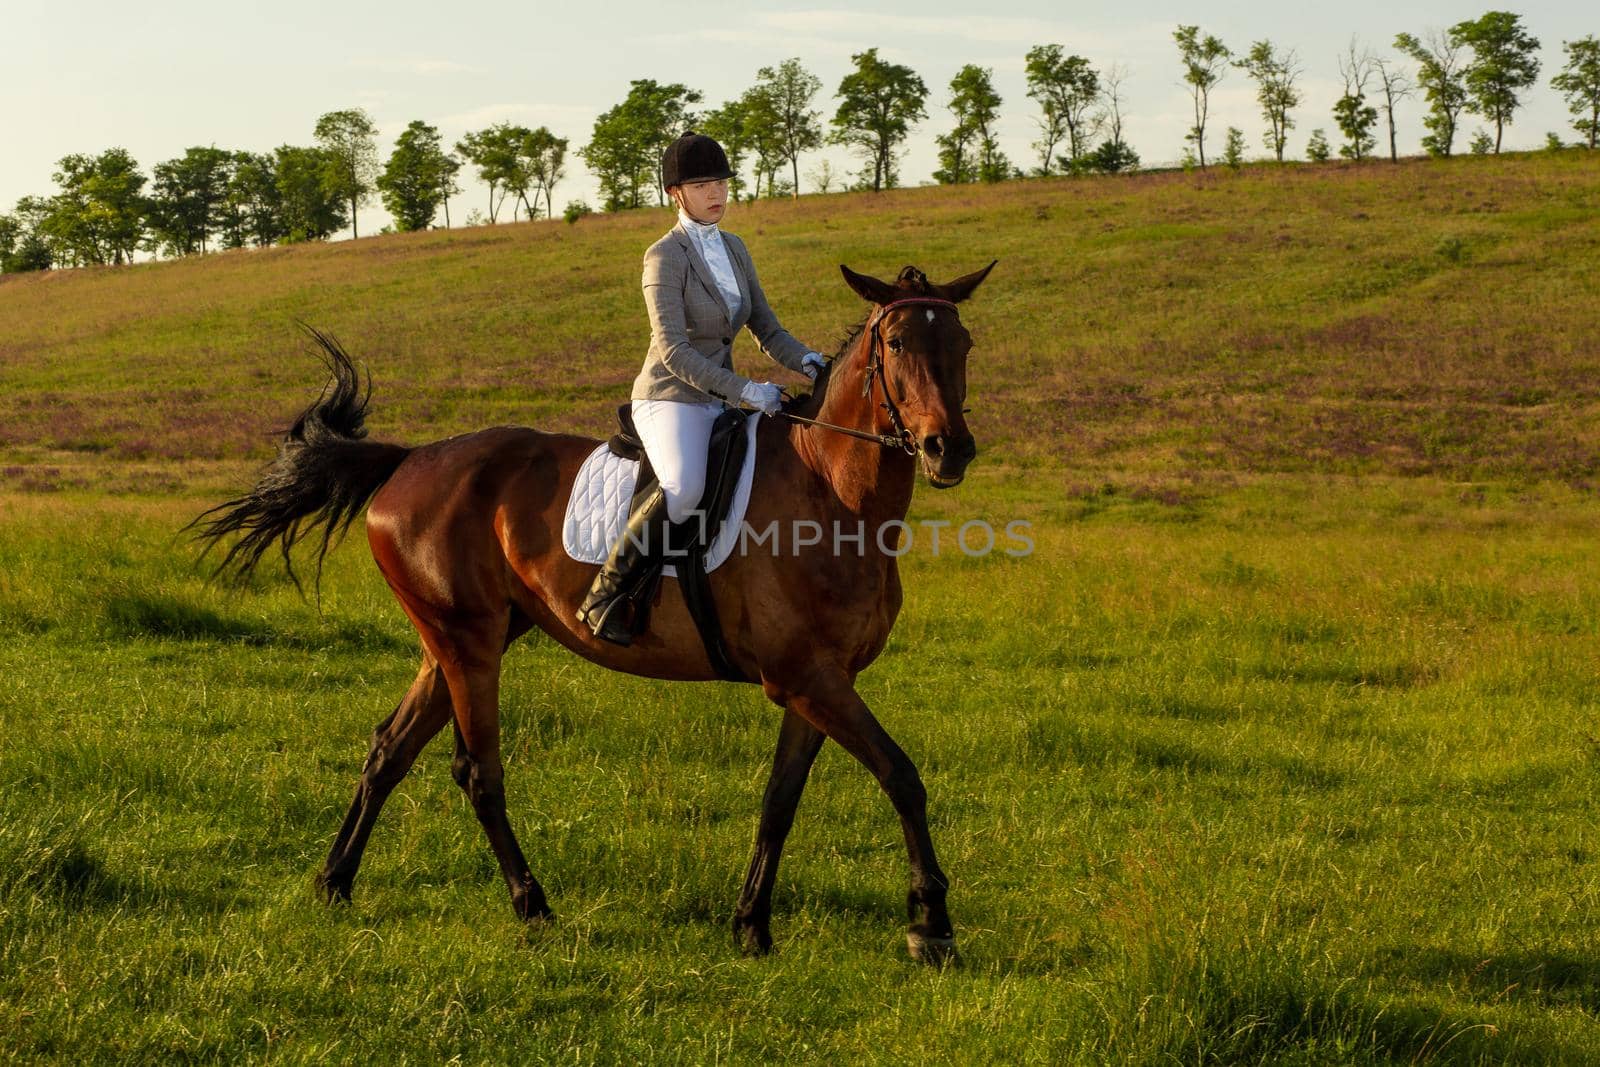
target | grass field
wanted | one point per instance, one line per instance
(1281, 747)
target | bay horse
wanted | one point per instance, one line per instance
(467, 533)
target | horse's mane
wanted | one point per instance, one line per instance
(811, 403)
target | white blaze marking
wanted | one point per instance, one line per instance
(930, 314)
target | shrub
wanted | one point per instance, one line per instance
(1317, 149)
(1233, 150)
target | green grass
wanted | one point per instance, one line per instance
(1281, 747)
(1308, 774)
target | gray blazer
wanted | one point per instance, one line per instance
(692, 330)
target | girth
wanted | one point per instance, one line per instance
(688, 542)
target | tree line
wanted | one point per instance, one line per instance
(106, 210)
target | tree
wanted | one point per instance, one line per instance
(790, 89)
(186, 199)
(1066, 88)
(1317, 150)
(618, 154)
(98, 216)
(537, 162)
(254, 202)
(624, 150)
(763, 135)
(878, 103)
(1504, 62)
(544, 159)
(413, 180)
(1274, 73)
(24, 245)
(1396, 87)
(975, 104)
(312, 200)
(1111, 92)
(349, 139)
(1481, 144)
(1579, 82)
(1355, 117)
(954, 165)
(1114, 154)
(449, 167)
(822, 176)
(495, 151)
(1439, 75)
(1205, 61)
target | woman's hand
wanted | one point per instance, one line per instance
(766, 397)
(812, 364)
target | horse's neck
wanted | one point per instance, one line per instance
(872, 481)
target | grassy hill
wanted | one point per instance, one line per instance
(1427, 317)
(1280, 748)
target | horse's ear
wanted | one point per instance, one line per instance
(869, 289)
(961, 288)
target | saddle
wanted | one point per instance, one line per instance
(688, 542)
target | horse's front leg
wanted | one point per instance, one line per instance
(830, 702)
(798, 743)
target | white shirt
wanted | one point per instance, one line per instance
(708, 239)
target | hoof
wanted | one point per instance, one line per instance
(933, 951)
(532, 908)
(752, 940)
(534, 915)
(333, 890)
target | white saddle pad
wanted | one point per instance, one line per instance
(597, 510)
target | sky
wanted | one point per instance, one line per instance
(159, 77)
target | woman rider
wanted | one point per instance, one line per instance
(700, 287)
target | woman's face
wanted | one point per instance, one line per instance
(704, 201)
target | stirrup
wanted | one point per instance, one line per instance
(610, 620)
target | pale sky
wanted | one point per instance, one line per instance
(159, 77)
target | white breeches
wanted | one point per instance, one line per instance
(676, 436)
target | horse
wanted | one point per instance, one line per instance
(467, 533)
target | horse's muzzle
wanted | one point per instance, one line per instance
(945, 458)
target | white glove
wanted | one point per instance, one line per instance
(812, 365)
(765, 397)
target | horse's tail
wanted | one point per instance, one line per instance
(323, 475)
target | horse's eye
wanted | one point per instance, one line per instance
(895, 344)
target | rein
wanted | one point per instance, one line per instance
(901, 437)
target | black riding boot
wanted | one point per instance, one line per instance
(617, 596)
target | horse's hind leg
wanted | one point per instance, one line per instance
(421, 714)
(798, 744)
(477, 768)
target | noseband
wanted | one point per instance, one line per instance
(901, 438)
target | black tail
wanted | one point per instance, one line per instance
(324, 475)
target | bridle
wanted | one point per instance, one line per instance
(901, 438)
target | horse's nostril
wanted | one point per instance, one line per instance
(933, 445)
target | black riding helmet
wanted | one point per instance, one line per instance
(694, 157)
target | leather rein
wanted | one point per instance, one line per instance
(901, 437)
